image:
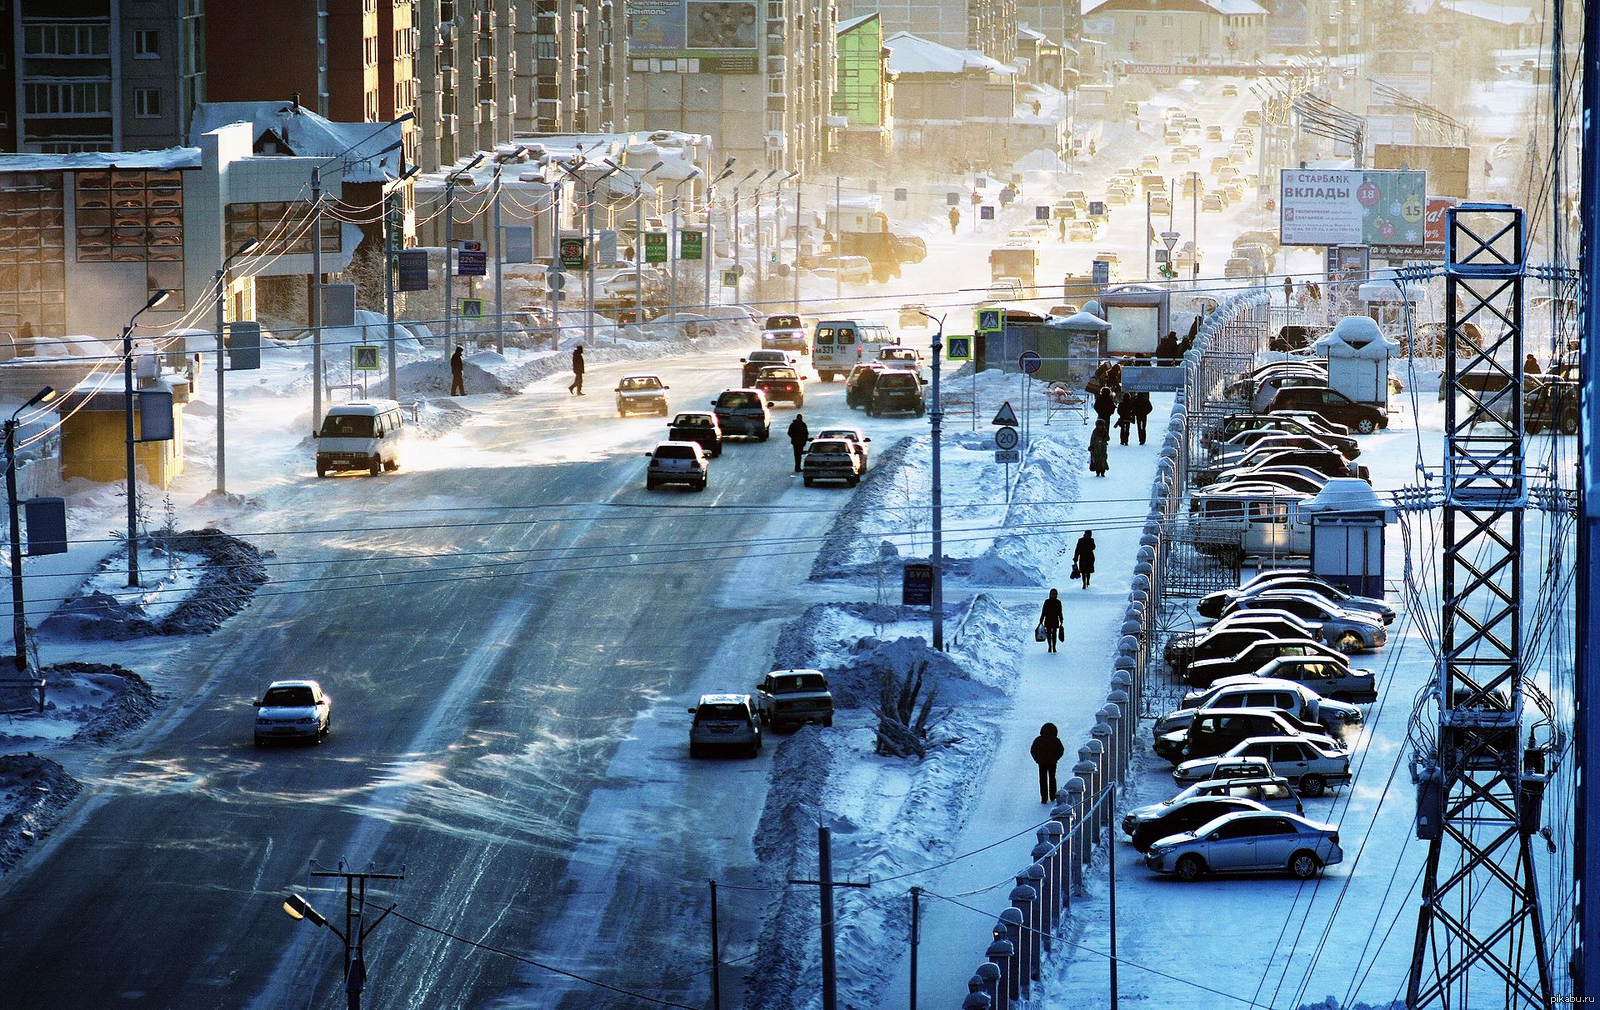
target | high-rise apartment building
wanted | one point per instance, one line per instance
(986, 26)
(99, 75)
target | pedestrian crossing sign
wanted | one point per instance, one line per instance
(366, 357)
(958, 348)
(988, 320)
(469, 308)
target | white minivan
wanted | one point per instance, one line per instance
(840, 344)
(360, 435)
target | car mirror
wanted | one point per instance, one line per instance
(691, 711)
(743, 361)
(648, 455)
(713, 403)
(866, 439)
(1215, 836)
(665, 388)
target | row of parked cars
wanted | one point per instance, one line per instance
(1274, 704)
(784, 699)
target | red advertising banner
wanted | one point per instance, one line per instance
(1433, 219)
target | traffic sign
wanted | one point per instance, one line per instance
(470, 308)
(655, 247)
(364, 357)
(1100, 273)
(730, 278)
(411, 270)
(1097, 208)
(556, 280)
(1170, 238)
(690, 244)
(1163, 255)
(572, 253)
(1041, 212)
(1029, 362)
(1005, 438)
(952, 199)
(986, 213)
(471, 260)
(1008, 456)
(900, 194)
(958, 348)
(988, 319)
(1005, 415)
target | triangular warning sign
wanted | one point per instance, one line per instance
(1005, 415)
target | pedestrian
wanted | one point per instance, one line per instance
(1288, 291)
(1114, 377)
(1047, 752)
(1105, 404)
(577, 371)
(1141, 412)
(1530, 366)
(1167, 349)
(1125, 416)
(1051, 621)
(799, 435)
(1037, 107)
(1098, 379)
(1083, 556)
(955, 219)
(1061, 226)
(1099, 442)
(458, 384)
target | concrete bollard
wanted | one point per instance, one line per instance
(1097, 751)
(1003, 955)
(1119, 733)
(1143, 569)
(1131, 626)
(1119, 696)
(1024, 901)
(1075, 789)
(975, 984)
(1088, 769)
(1039, 879)
(977, 1001)
(1044, 857)
(1052, 837)
(1149, 540)
(989, 974)
(1113, 742)
(1013, 919)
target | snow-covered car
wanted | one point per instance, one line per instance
(641, 394)
(1176, 816)
(1229, 635)
(911, 314)
(1337, 717)
(1212, 731)
(1250, 437)
(1213, 604)
(1335, 681)
(697, 427)
(743, 412)
(855, 436)
(724, 720)
(1205, 672)
(794, 698)
(1346, 630)
(1272, 793)
(1213, 203)
(1248, 841)
(1310, 767)
(293, 710)
(677, 463)
(831, 459)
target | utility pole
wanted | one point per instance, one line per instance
(797, 247)
(354, 935)
(674, 260)
(825, 881)
(838, 221)
(554, 278)
(316, 300)
(716, 953)
(1110, 798)
(1149, 235)
(916, 940)
(19, 620)
(936, 561)
(390, 210)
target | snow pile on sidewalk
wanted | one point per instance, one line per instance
(888, 815)
(91, 702)
(33, 792)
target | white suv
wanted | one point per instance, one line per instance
(724, 720)
(677, 463)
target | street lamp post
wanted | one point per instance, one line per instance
(450, 182)
(516, 154)
(638, 240)
(127, 417)
(708, 250)
(936, 416)
(222, 283)
(738, 238)
(390, 212)
(19, 622)
(756, 199)
(673, 259)
(777, 216)
(588, 241)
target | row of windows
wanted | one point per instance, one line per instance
(66, 40)
(87, 98)
(280, 228)
(32, 253)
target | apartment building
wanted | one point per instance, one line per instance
(985, 26)
(99, 75)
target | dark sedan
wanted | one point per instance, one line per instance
(1185, 816)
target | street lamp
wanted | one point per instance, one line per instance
(709, 252)
(738, 266)
(19, 623)
(222, 288)
(450, 182)
(638, 239)
(936, 416)
(127, 417)
(588, 242)
(777, 213)
(672, 249)
(518, 153)
(755, 198)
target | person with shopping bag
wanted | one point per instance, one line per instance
(1049, 628)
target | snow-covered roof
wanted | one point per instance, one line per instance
(1357, 337)
(912, 54)
(1347, 495)
(168, 159)
(1226, 8)
(1490, 10)
(304, 134)
(1082, 322)
(855, 22)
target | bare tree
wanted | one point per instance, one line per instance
(905, 712)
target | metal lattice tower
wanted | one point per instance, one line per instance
(1480, 935)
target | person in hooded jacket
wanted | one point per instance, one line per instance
(1083, 556)
(1050, 616)
(799, 435)
(1105, 404)
(1125, 416)
(1141, 412)
(577, 371)
(1099, 443)
(458, 385)
(1047, 751)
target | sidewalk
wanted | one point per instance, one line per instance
(1068, 689)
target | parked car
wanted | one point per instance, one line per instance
(1329, 679)
(1236, 424)
(293, 710)
(757, 360)
(1346, 630)
(724, 720)
(638, 394)
(1267, 385)
(1248, 841)
(858, 384)
(697, 427)
(1273, 793)
(794, 698)
(781, 382)
(1552, 404)
(1213, 604)
(677, 463)
(831, 459)
(1328, 462)
(1300, 701)
(911, 314)
(743, 412)
(1213, 731)
(1258, 654)
(896, 392)
(1331, 404)
(1229, 635)
(858, 440)
(1299, 759)
(1251, 437)
(851, 269)
(1184, 816)
(1269, 480)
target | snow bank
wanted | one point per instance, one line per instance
(90, 702)
(33, 793)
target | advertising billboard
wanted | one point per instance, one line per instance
(1351, 207)
(691, 28)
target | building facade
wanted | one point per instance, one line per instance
(99, 75)
(863, 92)
(987, 26)
(1179, 31)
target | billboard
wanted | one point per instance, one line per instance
(1446, 167)
(692, 28)
(1351, 207)
(1433, 224)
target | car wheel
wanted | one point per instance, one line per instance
(649, 484)
(808, 481)
(852, 481)
(1304, 864)
(1348, 643)
(1313, 786)
(694, 750)
(799, 402)
(1533, 427)
(702, 485)
(921, 411)
(622, 413)
(1568, 423)
(322, 471)
(1366, 426)
(715, 453)
(766, 433)
(827, 721)
(1190, 867)
(375, 467)
(260, 742)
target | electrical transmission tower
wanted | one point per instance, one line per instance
(1480, 934)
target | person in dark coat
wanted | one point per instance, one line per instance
(1125, 416)
(458, 385)
(1105, 404)
(1099, 443)
(799, 435)
(1114, 377)
(1167, 349)
(1530, 365)
(1083, 556)
(1047, 752)
(577, 371)
(1050, 617)
(1098, 379)
(1141, 412)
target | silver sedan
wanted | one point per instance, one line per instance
(1246, 842)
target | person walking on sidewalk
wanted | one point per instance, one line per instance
(1083, 557)
(458, 385)
(1051, 620)
(799, 435)
(1046, 752)
(1141, 412)
(1125, 416)
(577, 371)
(1105, 404)
(1099, 443)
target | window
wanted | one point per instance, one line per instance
(279, 227)
(146, 45)
(68, 98)
(1166, 20)
(147, 103)
(65, 40)
(133, 216)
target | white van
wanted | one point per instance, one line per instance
(841, 344)
(360, 435)
(1268, 524)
